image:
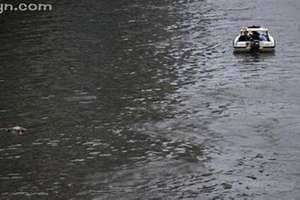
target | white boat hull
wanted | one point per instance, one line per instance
(246, 46)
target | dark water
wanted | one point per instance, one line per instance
(145, 100)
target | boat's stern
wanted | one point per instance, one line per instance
(258, 40)
(255, 45)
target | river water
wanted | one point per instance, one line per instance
(145, 100)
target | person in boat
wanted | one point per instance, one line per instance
(244, 35)
(254, 35)
(263, 37)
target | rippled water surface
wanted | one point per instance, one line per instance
(145, 100)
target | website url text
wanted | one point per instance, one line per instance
(22, 7)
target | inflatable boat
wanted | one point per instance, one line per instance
(254, 39)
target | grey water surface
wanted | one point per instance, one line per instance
(136, 99)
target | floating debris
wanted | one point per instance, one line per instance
(18, 130)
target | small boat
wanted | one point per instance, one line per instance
(254, 39)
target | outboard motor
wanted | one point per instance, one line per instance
(255, 45)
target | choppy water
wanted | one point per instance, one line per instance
(145, 100)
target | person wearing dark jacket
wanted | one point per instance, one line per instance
(244, 36)
(255, 35)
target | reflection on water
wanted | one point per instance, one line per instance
(145, 100)
(254, 57)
